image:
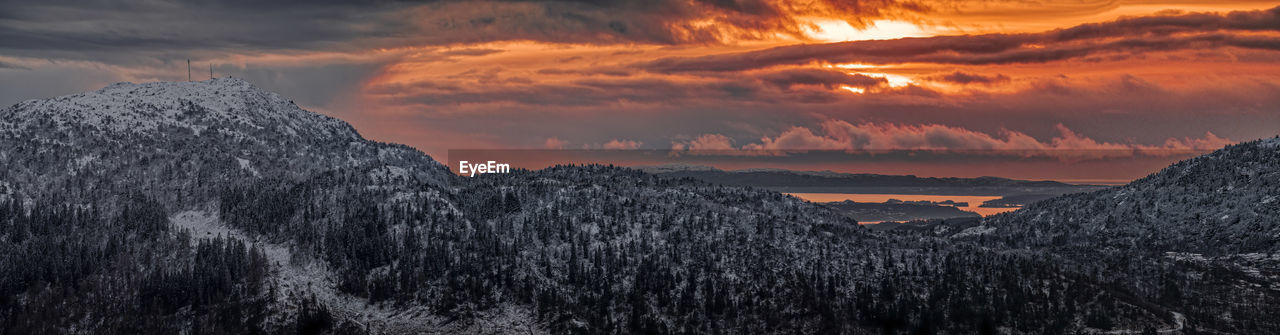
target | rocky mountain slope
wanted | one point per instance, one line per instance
(178, 140)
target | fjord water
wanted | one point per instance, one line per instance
(973, 200)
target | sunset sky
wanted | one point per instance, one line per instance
(1074, 89)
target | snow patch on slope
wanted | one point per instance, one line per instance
(245, 164)
(289, 274)
(975, 231)
(296, 275)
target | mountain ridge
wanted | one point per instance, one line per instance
(186, 133)
(679, 168)
(144, 107)
(788, 181)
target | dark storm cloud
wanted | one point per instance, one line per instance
(965, 78)
(310, 86)
(1129, 35)
(120, 31)
(794, 86)
(115, 31)
(826, 78)
(587, 72)
(17, 85)
(587, 92)
(1167, 24)
(643, 21)
(471, 52)
(7, 66)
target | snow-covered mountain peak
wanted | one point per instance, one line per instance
(226, 103)
(223, 129)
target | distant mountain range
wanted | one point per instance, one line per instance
(217, 207)
(834, 182)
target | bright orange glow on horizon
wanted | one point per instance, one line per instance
(835, 30)
(936, 75)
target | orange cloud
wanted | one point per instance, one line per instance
(883, 137)
(616, 144)
(554, 143)
(705, 142)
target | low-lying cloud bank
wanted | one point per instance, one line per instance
(883, 137)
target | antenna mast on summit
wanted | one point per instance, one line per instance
(210, 71)
(188, 69)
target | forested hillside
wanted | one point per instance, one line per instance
(1200, 236)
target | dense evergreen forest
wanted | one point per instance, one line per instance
(573, 244)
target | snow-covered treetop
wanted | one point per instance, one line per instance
(1273, 142)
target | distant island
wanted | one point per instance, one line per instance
(898, 210)
(1016, 200)
(950, 203)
